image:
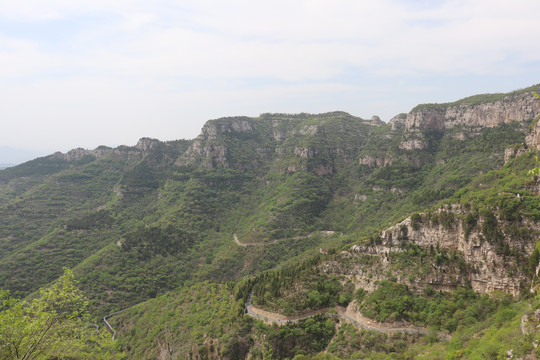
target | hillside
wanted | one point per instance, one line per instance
(434, 209)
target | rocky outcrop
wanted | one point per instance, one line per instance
(514, 152)
(447, 254)
(513, 107)
(298, 142)
(398, 122)
(533, 137)
(207, 149)
(372, 161)
(142, 148)
(493, 270)
(530, 322)
(146, 144)
(413, 144)
(376, 121)
(79, 153)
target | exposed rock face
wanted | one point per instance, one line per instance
(533, 138)
(375, 120)
(299, 142)
(309, 130)
(146, 144)
(512, 152)
(206, 148)
(374, 161)
(398, 122)
(491, 267)
(76, 154)
(143, 146)
(210, 156)
(478, 262)
(427, 119)
(305, 152)
(440, 117)
(360, 197)
(412, 144)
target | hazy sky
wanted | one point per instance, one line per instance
(82, 73)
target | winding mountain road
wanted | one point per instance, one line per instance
(273, 241)
(341, 312)
(361, 322)
(109, 326)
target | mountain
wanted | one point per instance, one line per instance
(428, 222)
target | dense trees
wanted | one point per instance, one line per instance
(55, 325)
(392, 301)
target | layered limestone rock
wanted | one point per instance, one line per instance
(533, 137)
(398, 122)
(467, 257)
(79, 153)
(207, 149)
(513, 107)
(143, 147)
(492, 270)
(372, 161)
(305, 142)
(413, 144)
(146, 144)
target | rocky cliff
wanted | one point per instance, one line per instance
(490, 259)
(79, 153)
(485, 111)
(463, 252)
(143, 148)
(295, 142)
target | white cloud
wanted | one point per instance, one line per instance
(294, 40)
(126, 62)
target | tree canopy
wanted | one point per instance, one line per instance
(54, 325)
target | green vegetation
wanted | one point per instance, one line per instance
(354, 343)
(52, 326)
(153, 225)
(201, 319)
(395, 302)
(299, 288)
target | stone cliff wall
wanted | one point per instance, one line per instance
(208, 148)
(491, 114)
(297, 143)
(79, 153)
(533, 137)
(492, 269)
(409, 254)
